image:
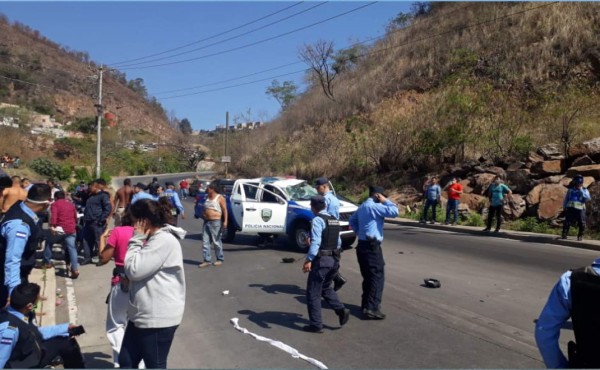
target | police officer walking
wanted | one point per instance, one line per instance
(173, 197)
(574, 205)
(332, 207)
(576, 295)
(322, 264)
(367, 222)
(19, 239)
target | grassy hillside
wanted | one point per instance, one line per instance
(456, 81)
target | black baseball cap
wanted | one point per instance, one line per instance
(141, 186)
(317, 201)
(377, 189)
(322, 181)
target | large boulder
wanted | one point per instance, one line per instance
(406, 195)
(590, 148)
(583, 161)
(474, 201)
(551, 200)
(550, 151)
(593, 207)
(550, 180)
(514, 208)
(547, 167)
(519, 180)
(533, 197)
(499, 171)
(515, 166)
(466, 184)
(481, 182)
(587, 181)
(591, 170)
(535, 157)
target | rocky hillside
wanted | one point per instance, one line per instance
(70, 92)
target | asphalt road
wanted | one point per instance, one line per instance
(483, 315)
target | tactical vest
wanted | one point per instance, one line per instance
(585, 305)
(171, 195)
(331, 233)
(575, 199)
(28, 351)
(35, 234)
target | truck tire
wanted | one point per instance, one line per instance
(299, 236)
(228, 234)
(347, 242)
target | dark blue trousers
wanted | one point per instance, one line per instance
(433, 205)
(371, 263)
(319, 285)
(91, 239)
(574, 216)
(151, 345)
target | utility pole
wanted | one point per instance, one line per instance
(226, 133)
(99, 123)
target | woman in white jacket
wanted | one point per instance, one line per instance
(154, 268)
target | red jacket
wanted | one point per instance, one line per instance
(64, 215)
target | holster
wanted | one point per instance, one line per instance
(337, 253)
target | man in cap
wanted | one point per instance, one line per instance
(576, 295)
(177, 208)
(367, 222)
(19, 239)
(332, 206)
(139, 192)
(97, 209)
(322, 263)
(153, 187)
(574, 206)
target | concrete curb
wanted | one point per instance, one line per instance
(46, 279)
(507, 234)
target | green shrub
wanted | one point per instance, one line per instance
(49, 168)
(474, 219)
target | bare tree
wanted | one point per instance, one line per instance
(320, 59)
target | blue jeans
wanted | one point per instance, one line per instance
(151, 345)
(452, 207)
(433, 205)
(184, 193)
(68, 241)
(211, 235)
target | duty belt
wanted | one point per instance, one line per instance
(327, 253)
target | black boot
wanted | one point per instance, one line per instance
(343, 315)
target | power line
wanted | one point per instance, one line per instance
(491, 20)
(209, 37)
(256, 42)
(225, 40)
(29, 83)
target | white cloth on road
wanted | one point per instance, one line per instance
(282, 346)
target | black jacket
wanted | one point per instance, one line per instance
(97, 208)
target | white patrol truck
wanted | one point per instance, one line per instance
(278, 206)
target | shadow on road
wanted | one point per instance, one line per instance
(97, 360)
(268, 318)
(191, 262)
(279, 288)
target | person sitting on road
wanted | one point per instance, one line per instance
(576, 295)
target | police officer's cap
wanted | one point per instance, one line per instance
(317, 201)
(578, 179)
(322, 181)
(141, 186)
(169, 183)
(376, 189)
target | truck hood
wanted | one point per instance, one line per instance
(344, 206)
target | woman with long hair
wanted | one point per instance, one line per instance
(154, 268)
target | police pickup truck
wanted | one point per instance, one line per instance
(272, 206)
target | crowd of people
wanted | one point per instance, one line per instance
(8, 161)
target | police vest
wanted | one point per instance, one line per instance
(171, 195)
(331, 233)
(28, 351)
(35, 234)
(585, 305)
(575, 199)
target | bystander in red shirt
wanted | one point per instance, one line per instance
(64, 214)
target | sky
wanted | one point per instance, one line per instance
(113, 32)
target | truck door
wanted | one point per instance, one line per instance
(237, 198)
(266, 213)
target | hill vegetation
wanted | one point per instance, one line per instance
(448, 82)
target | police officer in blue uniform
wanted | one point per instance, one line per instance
(367, 222)
(174, 199)
(332, 207)
(322, 264)
(26, 346)
(19, 239)
(575, 295)
(574, 205)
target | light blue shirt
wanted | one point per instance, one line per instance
(367, 221)
(141, 195)
(16, 233)
(332, 204)
(316, 232)
(496, 193)
(175, 200)
(556, 312)
(10, 335)
(433, 192)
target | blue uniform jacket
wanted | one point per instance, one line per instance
(556, 312)
(141, 195)
(10, 335)
(16, 234)
(332, 204)
(316, 232)
(172, 194)
(367, 221)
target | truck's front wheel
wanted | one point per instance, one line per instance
(300, 236)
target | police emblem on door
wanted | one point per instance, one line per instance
(266, 215)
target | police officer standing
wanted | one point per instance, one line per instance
(332, 208)
(574, 205)
(575, 295)
(322, 264)
(367, 222)
(19, 239)
(173, 197)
